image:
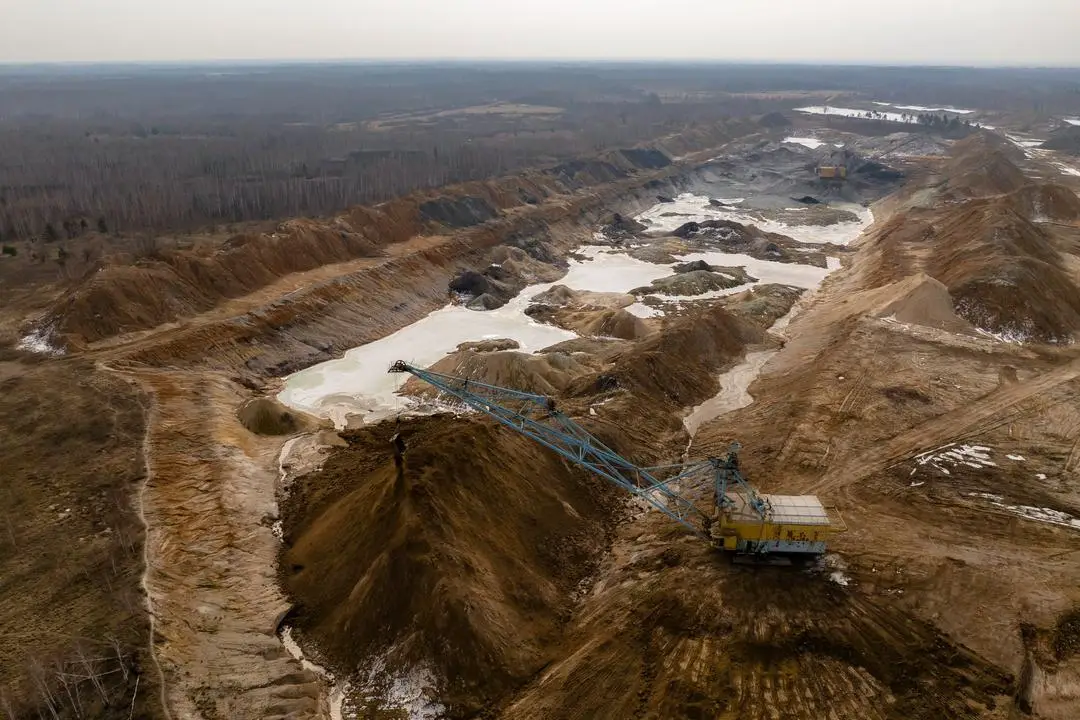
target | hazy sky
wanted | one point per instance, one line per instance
(984, 32)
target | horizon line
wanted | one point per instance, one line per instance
(189, 62)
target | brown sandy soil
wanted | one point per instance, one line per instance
(876, 373)
(939, 602)
(516, 578)
(71, 543)
(200, 331)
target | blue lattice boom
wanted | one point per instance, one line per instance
(537, 417)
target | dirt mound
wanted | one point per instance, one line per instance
(620, 227)
(603, 323)
(982, 165)
(1004, 274)
(457, 212)
(458, 563)
(663, 251)
(657, 370)
(123, 297)
(697, 282)
(921, 300)
(774, 120)
(1066, 140)
(562, 296)
(1041, 202)
(733, 237)
(266, 416)
(547, 374)
(489, 345)
(763, 303)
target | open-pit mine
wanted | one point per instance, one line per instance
(884, 323)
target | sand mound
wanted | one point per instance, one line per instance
(122, 297)
(1041, 202)
(696, 282)
(266, 416)
(1005, 275)
(489, 345)
(921, 300)
(546, 374)
(463, 562)
(562, 296)
(603, 323)
(774, 120)
(1067, 140)
(657, 368)
(982, 165)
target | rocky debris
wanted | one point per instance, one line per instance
(734, 237)
(763, 303)
(696, 282)
(692, 266)
(460, 212)
(646, 158)
(821, 215)
(774, 120)
(876, 171)
(620, 227)
(807, 200)
(663, 251)
(487, 301)
(535, 244)
(489, 345)
(500, 281)
(562, 296)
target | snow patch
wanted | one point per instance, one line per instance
(812, 143)
(337, 690)
(1017, 458)
(1029, 512)
(922, 108)
(951, 455)
(41, 342)
(407, 692)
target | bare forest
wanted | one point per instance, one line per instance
(129, 149)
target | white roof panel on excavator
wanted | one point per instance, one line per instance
(796, 509)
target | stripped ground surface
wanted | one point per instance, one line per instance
(940, 602)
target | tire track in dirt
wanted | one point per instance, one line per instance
(144, 580)
(948, 427)
(210, 555)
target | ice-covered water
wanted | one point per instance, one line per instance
(851, 112)
(812, 143)
(690, 207)
(923, 108)
(358, 383)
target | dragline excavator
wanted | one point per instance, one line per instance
(753, 525)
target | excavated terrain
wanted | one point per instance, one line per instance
(927, 388)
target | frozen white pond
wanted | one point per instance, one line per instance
(687, 206)
(733, 391)
(923, 108)
(812, 143)
(359, 384)
(851, 112)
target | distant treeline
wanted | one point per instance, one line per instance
(123, 149)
